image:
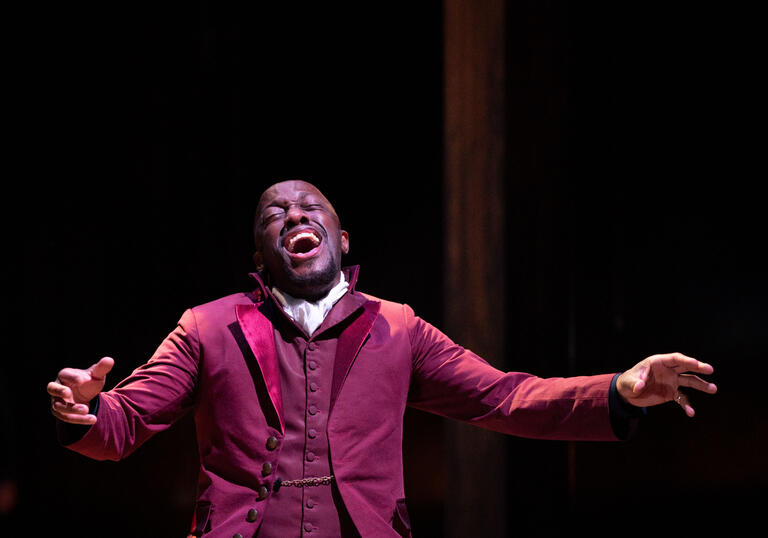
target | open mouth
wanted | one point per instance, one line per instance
(303, 243)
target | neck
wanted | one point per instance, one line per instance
(312, 295)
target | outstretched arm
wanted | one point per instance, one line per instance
(73, 390)
(658, 379)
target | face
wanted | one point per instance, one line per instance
(299, 239)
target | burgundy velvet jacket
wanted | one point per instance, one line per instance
(220, 363)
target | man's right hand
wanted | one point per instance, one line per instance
(74, 389)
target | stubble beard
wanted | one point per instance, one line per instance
(321, 279)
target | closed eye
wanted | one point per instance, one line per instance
(269, 217)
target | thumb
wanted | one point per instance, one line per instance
(642, 375)
(632, 382)
(101, 368)
(640, 378)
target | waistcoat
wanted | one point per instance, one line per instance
(306, 371)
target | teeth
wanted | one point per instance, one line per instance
(302, 235)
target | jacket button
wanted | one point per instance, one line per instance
(263, 492)
(272, 443)
(266, 469)
(238, 535)
(253, 515)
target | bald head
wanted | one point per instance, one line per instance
(293, 185)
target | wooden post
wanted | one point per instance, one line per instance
(474, 145)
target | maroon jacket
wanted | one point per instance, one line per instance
(220, 361)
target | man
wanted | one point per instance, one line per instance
(299, 390)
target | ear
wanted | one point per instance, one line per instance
(344, 242)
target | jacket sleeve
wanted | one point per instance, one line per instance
(456, 383)
(152, 398)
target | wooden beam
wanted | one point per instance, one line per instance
(474, 284)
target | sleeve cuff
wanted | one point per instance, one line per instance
(625, 417)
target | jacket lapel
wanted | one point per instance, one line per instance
(350, 342)
(259, 334)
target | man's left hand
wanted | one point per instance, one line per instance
(658, 379)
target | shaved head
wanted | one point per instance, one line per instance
(298, 184)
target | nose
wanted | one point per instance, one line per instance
(295, 215)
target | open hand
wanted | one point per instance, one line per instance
(74, 389)
(658, 379)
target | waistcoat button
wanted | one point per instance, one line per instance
(312, 433)
(310, 456)
(312, 409)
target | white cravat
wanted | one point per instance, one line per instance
(311, 314)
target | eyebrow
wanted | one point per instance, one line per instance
(280, 202)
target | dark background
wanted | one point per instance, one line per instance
(140, 136)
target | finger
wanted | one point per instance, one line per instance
(682, 401)
(69, 408)
(73, 376)
(678, 361)
(683, 363)
(57, 390)
(73, 418)
(101, 368)
(695, 382)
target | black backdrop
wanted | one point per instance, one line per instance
(141, 135)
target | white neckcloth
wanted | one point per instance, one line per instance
(311, 314)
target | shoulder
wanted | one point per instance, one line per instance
(391, 310)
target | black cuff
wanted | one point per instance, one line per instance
(71, 433)
(624, 417)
